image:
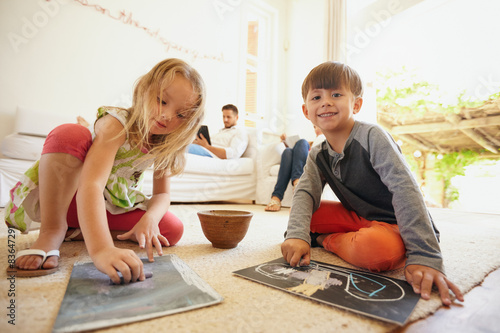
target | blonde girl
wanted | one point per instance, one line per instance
(64, 189)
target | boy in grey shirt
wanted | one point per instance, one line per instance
(381, 221)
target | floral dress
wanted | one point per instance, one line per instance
(122, 192)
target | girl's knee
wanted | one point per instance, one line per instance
(172, 228)
(71, 139)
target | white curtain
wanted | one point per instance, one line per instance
(336, 30)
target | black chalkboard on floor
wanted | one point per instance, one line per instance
(366, 293)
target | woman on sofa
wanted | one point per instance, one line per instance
(292, 164)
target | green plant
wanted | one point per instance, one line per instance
(404, 94)
(451, 165)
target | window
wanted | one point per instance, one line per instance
(258, 87)
(252, 71)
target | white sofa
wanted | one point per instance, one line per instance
(204, 179)
(268, 165)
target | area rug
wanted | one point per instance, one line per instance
(469, 243)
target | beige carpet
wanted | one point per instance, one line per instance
(470, 243)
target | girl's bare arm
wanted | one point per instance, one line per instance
(91, 205)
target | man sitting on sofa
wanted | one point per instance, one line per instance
(229, 143)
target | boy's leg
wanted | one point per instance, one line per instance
(373, 245)
(300, 152)
(58, 179)
(332, 217)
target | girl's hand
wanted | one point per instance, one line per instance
(147, 234)
(112, 260)
(422, 278)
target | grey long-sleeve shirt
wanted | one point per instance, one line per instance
(377, 184)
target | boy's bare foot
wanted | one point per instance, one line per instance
(321, 238)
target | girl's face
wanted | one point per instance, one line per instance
(172, 105)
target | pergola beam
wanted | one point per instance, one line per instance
(478, 138)
(445, 125)
(425, 146)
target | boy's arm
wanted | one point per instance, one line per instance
(424, 265)
(422, 278)
(414, 222)
(306, 200)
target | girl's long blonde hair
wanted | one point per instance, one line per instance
(168, 150)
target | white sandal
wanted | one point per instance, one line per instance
(40, 271)
(273, 203)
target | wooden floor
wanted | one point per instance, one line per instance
(480, 313)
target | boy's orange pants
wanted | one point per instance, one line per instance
(373, 245)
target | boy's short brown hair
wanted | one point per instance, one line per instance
(333, 75)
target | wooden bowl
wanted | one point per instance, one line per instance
(225, 228)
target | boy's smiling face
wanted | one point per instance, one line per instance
(331, 110)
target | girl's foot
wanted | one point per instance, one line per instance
(73, 235)
(47, 241)
(80, 120)
(274, 205)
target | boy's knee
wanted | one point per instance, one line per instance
(377, 248)
(380, 241)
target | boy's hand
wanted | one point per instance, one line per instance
(296, 252)
(422, 278)
(112, 260)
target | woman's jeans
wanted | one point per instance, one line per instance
(291, 166)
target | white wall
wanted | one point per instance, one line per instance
(67, 58)
(306, 50)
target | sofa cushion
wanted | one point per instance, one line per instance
(214, 166)
(252, 147)
(39, 123)
(23, 147)
(274, 170)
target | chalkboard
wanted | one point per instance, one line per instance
(91, 302)
(366, 293)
